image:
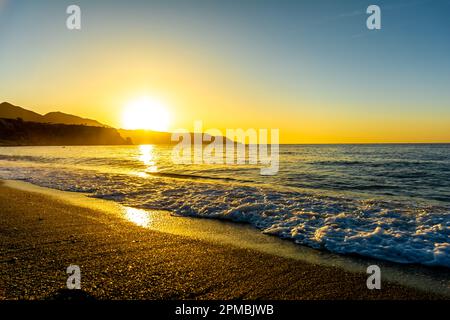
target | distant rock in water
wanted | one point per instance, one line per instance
(155, 137)
(9, 111)
(19, 132)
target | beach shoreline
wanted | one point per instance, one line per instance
(42, 234)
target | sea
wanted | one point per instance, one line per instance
(383, 201)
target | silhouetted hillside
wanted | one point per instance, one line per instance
(155, 137)
(25, 133)
(19, 132)
(146, 136)
(64, 118)
(9, 111)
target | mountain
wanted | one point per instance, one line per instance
(16, 132)
(64, 118)
(9, 111)
(27, 122)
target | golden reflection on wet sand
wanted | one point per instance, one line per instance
(137, 216)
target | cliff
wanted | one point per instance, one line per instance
(10, 111)
(19, 132)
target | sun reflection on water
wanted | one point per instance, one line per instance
(137, 216)
(147, 157)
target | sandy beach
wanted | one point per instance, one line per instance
(42, 235)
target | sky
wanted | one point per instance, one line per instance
(311, 69)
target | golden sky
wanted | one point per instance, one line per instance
(230, 68)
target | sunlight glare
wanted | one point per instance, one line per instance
(137, 216)
(146, 156)
(146, 113)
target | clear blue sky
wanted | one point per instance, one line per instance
(284, 60)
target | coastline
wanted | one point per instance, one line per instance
(43, 233)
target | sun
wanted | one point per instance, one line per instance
(146, 113)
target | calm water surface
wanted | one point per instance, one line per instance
(384, 201)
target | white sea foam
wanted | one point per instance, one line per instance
(387, 228)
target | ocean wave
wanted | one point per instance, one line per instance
(385, 202)
(16, 158)
(191, 176)
(389, 230)
(384, 230)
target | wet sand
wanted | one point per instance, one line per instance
(41, 236)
